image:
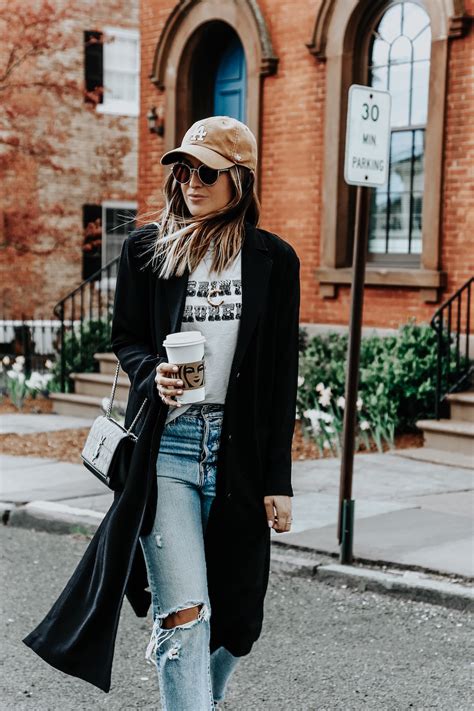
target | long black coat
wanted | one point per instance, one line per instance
(78, 634)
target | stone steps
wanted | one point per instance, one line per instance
(91, 388)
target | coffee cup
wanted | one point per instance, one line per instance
(186, 350)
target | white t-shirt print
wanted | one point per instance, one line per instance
(218, 324)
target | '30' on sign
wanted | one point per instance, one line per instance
(367, 152)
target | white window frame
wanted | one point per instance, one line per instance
(112, 106)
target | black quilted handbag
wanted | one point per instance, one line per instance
(109, 446)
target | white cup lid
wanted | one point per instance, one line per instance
(184, 338)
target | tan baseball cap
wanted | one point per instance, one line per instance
(219, 142)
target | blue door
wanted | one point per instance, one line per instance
(230, 91)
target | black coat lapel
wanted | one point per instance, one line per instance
(256, 269)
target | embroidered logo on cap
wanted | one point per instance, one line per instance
(199, 133)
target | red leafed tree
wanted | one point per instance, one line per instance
(41, 92)
(36, 77)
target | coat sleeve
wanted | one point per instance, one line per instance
(131, 328)
(283, 410)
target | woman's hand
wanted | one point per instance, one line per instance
(168, 387)
(278, 509)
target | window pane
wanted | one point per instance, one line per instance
(419, 161)
(400, 50)
(390, 25)
(416, 224)
(422, 45)
(398, 223)
(421, 77)
(378, 221)
(121, 87)
(400, 161)
(400, 90)
(414, 19)
(380, 50)
(379, 78)
(121, 53)
(119, 221)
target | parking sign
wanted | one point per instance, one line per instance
(367, 136)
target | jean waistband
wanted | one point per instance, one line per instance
(206, 408)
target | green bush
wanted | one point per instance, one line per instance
(79, 349)
(396, 384)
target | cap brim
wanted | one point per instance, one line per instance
(205, 155)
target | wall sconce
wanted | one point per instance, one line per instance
(155, 122)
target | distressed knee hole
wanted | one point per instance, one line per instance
(163, 630)
(180, 617)
(159, 540)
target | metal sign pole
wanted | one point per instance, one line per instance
(346, 503)
(366, 164)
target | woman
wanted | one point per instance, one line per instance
(207, 481)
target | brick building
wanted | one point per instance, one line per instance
(285, 69)
(97, 187)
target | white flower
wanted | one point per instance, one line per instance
(326, 444)
(20, 359)
(364, 425)
(48, 364)
(16, 375)
(38, 381)
(6, 360)
(17, 367)
(313, 417)
(319, 387)
(300, 380)
(341, 402)
(359, 403)
(326, 416)
(325, 397)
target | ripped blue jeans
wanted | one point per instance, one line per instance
(190, 678)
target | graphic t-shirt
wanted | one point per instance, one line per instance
(219, 324)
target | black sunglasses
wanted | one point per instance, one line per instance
(208, 176)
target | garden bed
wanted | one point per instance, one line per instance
(66, 445)
(34, 406)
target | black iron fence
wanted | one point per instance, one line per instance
(85, 317)
(452, 323)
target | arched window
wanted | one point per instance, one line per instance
(399, 62)
(403, 46)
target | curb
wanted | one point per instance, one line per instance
(54, 517)
(407, 584)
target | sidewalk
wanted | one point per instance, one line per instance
(407, 513)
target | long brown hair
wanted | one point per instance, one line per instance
(182, 240)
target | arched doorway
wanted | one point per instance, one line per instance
(212, 76)
(188, 53)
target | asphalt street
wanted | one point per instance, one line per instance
(321, 649)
